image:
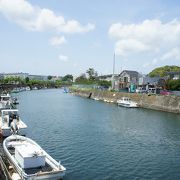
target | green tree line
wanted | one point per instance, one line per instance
(66, 80)
(91, 77)
(163, 71)
(173, 84)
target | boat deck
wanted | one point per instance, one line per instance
(45, 168)
(20, 123)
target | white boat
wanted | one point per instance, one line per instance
(5, 99)
(14, 101)
(30, 161)
(16, 90)
(96, 99)
(35, 88)
(126, 102)
(28, 88)
(66, 90)
(11, 123)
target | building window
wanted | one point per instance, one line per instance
(125, 79)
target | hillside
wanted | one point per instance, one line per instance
(162, 71)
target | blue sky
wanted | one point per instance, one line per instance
(58, 37)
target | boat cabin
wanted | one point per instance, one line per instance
(5, 97)
(125, 99)
(8, 115)
(29, 156)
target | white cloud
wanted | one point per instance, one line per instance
(56, 41)
(172, 54)
(146, 65)
(63, 58)
(151, 36)
(39, 19)
(150, 63)
(129, 45)
(17, 9)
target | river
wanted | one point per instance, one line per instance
(95, 140)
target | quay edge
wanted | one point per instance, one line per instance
(170, 103)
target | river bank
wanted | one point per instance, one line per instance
(155, 102)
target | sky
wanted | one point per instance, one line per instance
(59, 37)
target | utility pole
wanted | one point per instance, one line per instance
(113, 81)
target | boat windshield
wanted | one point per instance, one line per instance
(5, 98)
(126, 99)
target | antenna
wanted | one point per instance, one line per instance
(114, 64)
(113, 85)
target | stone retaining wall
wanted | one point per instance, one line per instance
(157, 102)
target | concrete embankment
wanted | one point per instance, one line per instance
(156, 102)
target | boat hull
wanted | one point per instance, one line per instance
(46, 177)
(57, 172)
(5, 132)
(127, 105)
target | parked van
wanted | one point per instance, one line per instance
(140, 90)
(152, 91)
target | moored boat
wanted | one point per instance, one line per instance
(10, 123)
(16, 90)
(126, 102)
(28, 88)
(66, 90)
(96, 99)
(5, 99)
(15, 101)
(30, 161)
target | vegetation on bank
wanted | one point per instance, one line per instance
(173, 84)
(163, 71)
(32, 82)
(90, 78)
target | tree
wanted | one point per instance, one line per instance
(162, 71)
(173, 84)
(27, 79)
(92, 74)
(58, 83)
(104, 83)
(49, 77)
(68, 78)
(81, 79)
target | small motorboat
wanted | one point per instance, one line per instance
(10, 123)
(16, 90)
(96, 99)
(28, 88)
(126, 102)
(66, 90)
(15, 101)
(5, 99)
(29, 161)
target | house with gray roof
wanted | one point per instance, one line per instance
(127, 78)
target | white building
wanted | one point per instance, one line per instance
(38, 77)
(16, 75)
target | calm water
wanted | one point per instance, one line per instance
(100, 141)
